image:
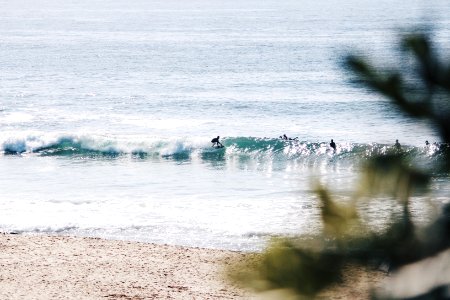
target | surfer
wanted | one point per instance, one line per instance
(397, 145)
(284, 137)
(215, 142)
(333, 145)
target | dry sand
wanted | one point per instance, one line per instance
(61, 267)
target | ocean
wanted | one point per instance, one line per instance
(108, 108)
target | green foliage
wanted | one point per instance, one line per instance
(393, 175)
(285, 266)
(307, 265)
(338, 219)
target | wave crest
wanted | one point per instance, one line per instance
(184, 148)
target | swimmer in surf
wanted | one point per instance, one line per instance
(284, 137)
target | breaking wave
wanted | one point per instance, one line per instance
(243, 148)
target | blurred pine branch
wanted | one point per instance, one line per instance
(302, 267)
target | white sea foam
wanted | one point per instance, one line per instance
(15, 117)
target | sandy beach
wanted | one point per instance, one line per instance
(60, 267)
(65, 267)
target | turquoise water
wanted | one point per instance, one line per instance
(107, 109)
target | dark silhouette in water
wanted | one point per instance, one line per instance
(284, 137)
(333, 145)
(397, 145)
(216, 142)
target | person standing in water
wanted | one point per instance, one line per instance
(215, 142)
(397, 145)
(333, 145)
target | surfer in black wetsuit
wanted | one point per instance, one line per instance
(397, 145)
(216, 142)
(333, 145)
(284, 137)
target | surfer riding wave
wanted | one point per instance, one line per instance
(215, 142)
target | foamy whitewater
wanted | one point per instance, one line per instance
(108, 107)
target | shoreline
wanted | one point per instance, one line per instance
(55, 267)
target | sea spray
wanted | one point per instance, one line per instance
(260, 150)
